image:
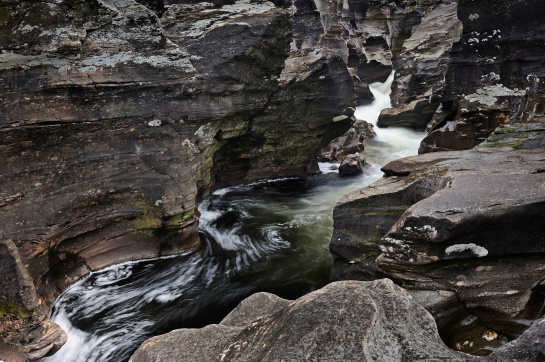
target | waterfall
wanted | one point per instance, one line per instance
(267, 236)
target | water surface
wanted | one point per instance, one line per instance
(268, 236)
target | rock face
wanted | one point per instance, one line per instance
(344, 321)
(421, 67)
(468, 222)
(119, 116)
(462, 69)
(494, 69)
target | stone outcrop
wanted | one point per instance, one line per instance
(119, 116)
(461, 69)
(495, 68)
(23, 321)
(468, 222)
(348, 321)
(421, 68)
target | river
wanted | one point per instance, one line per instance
(267, 236)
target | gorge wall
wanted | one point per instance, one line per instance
(462, 230)
(119, 116)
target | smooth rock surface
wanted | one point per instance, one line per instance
(344, 321)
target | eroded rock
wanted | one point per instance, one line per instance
(348, 321)
(466, 221)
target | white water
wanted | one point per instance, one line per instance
(268, 236)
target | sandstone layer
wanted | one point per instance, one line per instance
(468, 222)
(119, 116)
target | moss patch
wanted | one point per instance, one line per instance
(5, 13)
(150, 218)
(10, 311)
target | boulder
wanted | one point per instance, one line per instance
(466, 221)
(350, 143)
(352, 165)
(344, 321)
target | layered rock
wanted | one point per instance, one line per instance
(120, 115)
(348, 321)
(468, 222)
(494, 69)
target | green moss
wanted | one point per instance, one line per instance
(515, 144)
(178, 220)
(4, 15)
(10, 310)
(188, 215)
(150, 218)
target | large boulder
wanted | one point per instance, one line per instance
(468, 221)
(344, 321)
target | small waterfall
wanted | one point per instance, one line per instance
(268, 236)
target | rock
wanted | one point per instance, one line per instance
(528, 347)
(138, 109)
(486, 81)
(350, 143)
(421, 67)
(466, 221)
(349, 321)
(415, 115)
(352, 165)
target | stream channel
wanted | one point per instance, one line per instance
(268, 236)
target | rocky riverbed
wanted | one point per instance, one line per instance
(120, 116)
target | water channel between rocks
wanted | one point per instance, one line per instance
(268, 236)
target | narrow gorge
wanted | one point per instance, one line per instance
(140, 129)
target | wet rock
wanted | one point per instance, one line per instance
(352, 165)
(442, 222)
(421, 67)
(138, 109)
(415, 115)
(24, 325)
(349, 321)
(348, 144)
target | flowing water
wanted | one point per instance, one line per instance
(268, 236)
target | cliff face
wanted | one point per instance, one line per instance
(118, 116)
(461, 227)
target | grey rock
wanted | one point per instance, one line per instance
(348, 321)
(486, 83)
(349, 144)
(352, 165)
(466, 221)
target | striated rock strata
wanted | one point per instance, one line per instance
(119, 116)
(468, 222)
